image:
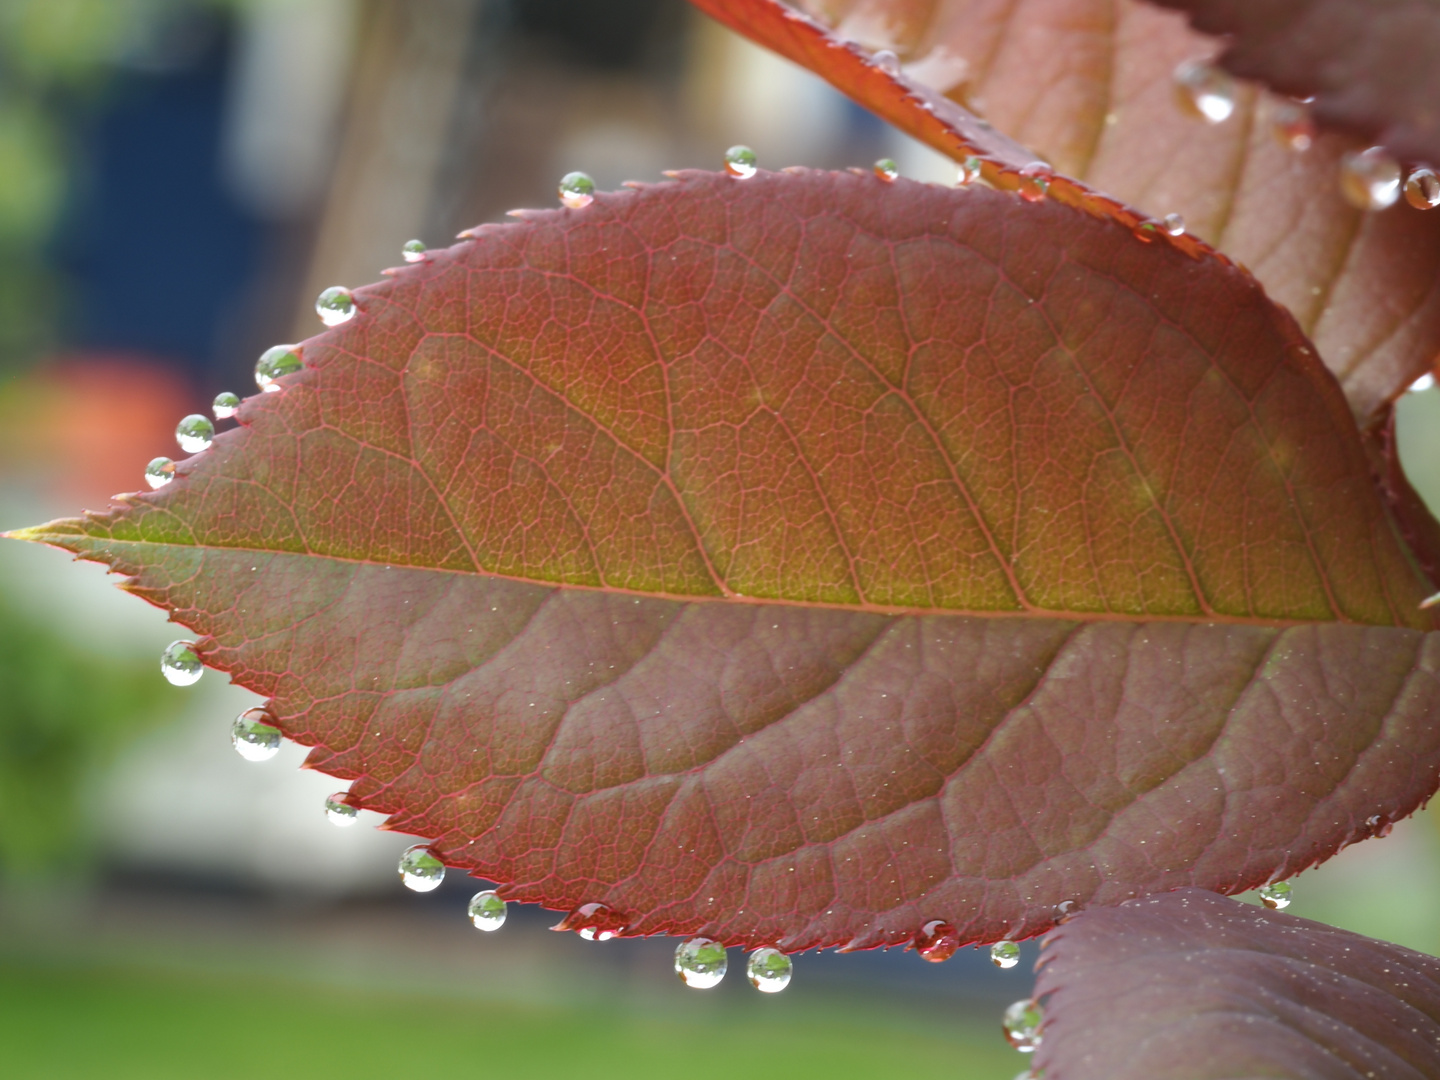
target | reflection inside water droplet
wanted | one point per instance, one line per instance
(936, 941)
(1022, 1022)
(1422, 189)
(195, 433)
(487, 911)
(180, 664)
(413, 251)
(1294, 127)
(700, 962)
(159, 472)
(224, 405)
(338, 810)
(421, 870)
(577, 190)
(969, 170)
(254, 735)
(274, 362)
(886, 169)
(1276, 895)
(594, 922)
(1034, 181)
(1005, 954)
(741, 162)
(1370, 179)
(335, 305)
(1205, 91)
(769, 970)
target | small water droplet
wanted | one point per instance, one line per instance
(1422, 189)
(886, 169)
(577, 190)
(335, 305)
(936, 941)
(1005, 954)
(1174, 224)
(769, 970)
(487, 911)
(225, 404)
(886, 61)
(1205, 91)
(1034, 181)
(969, 171)
(180, 664)
(274, 362)
(421, 869)
(1066, 908)
(254, 735)
(740, 162)
(700, 962)
(594, 922)
(1275, 895)
(195, 433)
(159, 472)
(1294, 127)
(339, 811)
(1370, 179)
(1423, 383)
(413, 251)
(1022, 1022)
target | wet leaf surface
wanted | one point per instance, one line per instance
(806, 558)
(1196, 985)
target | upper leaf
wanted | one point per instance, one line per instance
(1190, 984)
(808, 557)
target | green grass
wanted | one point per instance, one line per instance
(65, 1022)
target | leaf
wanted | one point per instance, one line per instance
(1190, 984)
(1087, 84)
(1370, 66)
(805, 558)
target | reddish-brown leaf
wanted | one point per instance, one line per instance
(1193, 985)
(804, 558)
(1087, 83)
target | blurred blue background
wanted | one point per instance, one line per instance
(178, 179)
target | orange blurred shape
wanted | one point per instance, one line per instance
(82, 427)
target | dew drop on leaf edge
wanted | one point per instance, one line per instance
(225, 404)
(1021, 1024)
(338, 810)
(335, 305)
(577, 190)
(969, 171)
(1034, 181)
(1293, 126)
(487, 911)
(1370, 179)
(1005, 954)
(741, 162)
(937, 941)
(886, 61)
(1205, 91)
(1174, 224)
(159, 472)
(700, 962)
(594, 922)
(886, 169)
(413, 251)
(180, 664)
(1276, 895)
(421, 869)
(274, 362)
(769, 970)
(1422, 189)
(1423, 383)
(254, 735)
(195, 433)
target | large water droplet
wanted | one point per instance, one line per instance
(769, 970)
(159, 472)
(740, 162)
(886, 61)
(1174, 224)
(1422, 189)
(225, 404)
(1276, 895)
(1294, 127)
(274, 362)
(594, 922)
(1423, 383)
(700, 962)
(487, 911)
(413, 251)
(421, 869)
(1370, 179)
(180, 664)
(1034, 181)
(339, 811)
(1205, 91)
(254, 735)
(886, 169)
(969, 171)
(577, 190)
(195, 433)
(936, 941)
(1022, 1022)
(1005, 954)
(335, 305)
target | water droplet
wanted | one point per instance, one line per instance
(1423, 383)
(180, 664)
(577, 190)
(225, 404)
(339, 811)
(254, 735)
(487, 911)
(159, 472)
(1370, 179)
(1294, 128)
(969, 170)
(421, 869)
(335, 305)
(886, 61)
(1022, 1022)
(1275, 895)
(1422, 189)
(936, 941)
(1205, 91)
(886, 169)
(274, 362)
(413, 251)
(769, 970)
(740, 162)
(1066, 908)
(1005, 954)
(594, 922)
(194, 433)
(1034, 181)
(1174, 224)
(700, 962)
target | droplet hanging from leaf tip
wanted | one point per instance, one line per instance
(1276, 895)
(225, 404)
(1422, 188)
(414, 250)
(195, 433)
(741, 162)
(487, 911)
(936, 941)
(886, 61)
(577, 190)
(1205, 91)
(339, 811)
(593, 922)
(274, 362)
(421, 870)
(700, 962)
(1005, 954)
(769, 970)
(254, 735)
(1021, 1024)
(335, 305)
(886, 169)
(159, 472)
(1370, 179)
(180, 664)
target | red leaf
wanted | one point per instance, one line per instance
(1193, 985)
(1088, 84)
(806, 558)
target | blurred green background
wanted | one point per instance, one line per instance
(178, 179)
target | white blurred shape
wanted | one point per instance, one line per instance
(919, 162)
